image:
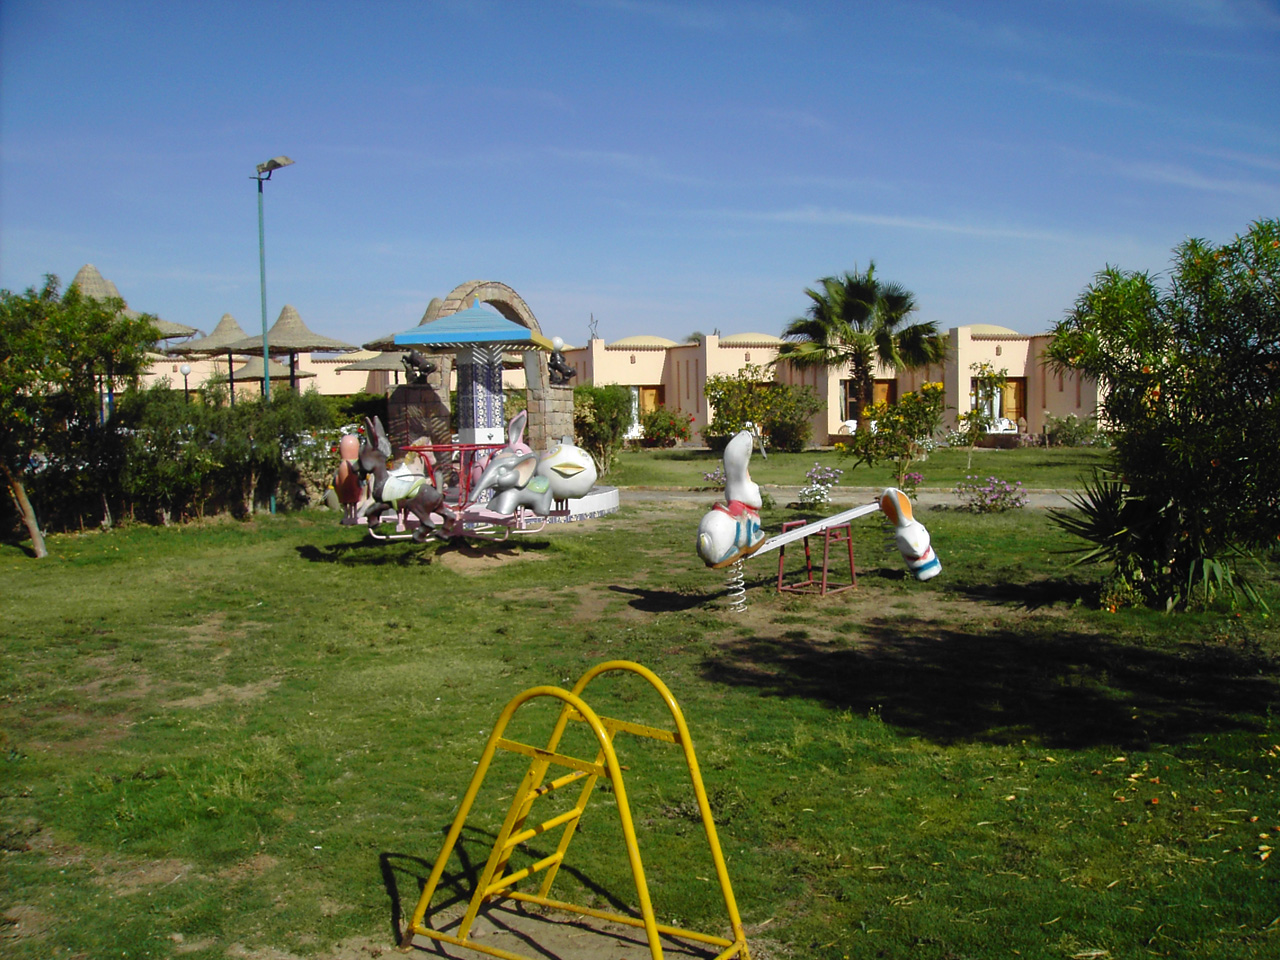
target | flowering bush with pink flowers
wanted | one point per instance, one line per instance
(992, 495)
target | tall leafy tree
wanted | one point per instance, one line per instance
(1190, 377)
(57, 350)
(855, 320)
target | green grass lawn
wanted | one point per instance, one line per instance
(247, 739)
(1059, 468)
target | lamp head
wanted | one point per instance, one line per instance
(185, 369)
(275, 163)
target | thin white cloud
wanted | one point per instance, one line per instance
(1076, 91)
(828, 216)
(529, 96)
(759, 18)
(632, 164)
(987, 36)
(1220, 14)
(1266, 194)
(1270, 164)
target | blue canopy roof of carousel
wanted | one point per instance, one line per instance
(472, 326)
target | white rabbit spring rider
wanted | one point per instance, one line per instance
(730, 531)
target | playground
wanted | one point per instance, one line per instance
(250, 739)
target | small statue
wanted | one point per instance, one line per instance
(416, 368)
(910, 536)
(347, 484)
(559, 371)
(731, 530)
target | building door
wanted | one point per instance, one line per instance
(884, 391)
(651, 398)
(1014, 399)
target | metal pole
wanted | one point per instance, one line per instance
(262, 273)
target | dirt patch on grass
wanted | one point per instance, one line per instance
(255, 866)
(114, 683)
(23, 922)
(86, 732)
(225, 693)
(592, 605)
(212, 631)
(125, 877)
(560, 936)
(468, 558)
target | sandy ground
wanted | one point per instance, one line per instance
(512, 927)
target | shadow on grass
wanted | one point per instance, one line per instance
(1033, 594)
(1059, 687)
(661, 601)
(458, 880)
(406, 553)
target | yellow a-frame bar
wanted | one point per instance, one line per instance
(494, 882)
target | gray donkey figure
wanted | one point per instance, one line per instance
(397, 487)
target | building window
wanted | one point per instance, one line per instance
(633, 358)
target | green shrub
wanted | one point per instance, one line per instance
(664, 428)
(1073, 431)
(1191, 385)
(781, 410)
(601, 418)
(903, 433)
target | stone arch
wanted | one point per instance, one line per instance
(550, 407)
(498, 295)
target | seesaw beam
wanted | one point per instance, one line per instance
(808, 530)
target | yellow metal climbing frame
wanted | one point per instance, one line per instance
(494, 882)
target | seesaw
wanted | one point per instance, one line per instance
(731, 532)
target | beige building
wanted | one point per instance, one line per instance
(663, 372)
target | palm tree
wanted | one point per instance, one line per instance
(855, 320)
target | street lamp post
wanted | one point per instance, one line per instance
(185, 370)
(268, 167)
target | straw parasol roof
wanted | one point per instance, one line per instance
(227, 331)
(93, 284)
(387, 360)
(291, 335)
(252, 370)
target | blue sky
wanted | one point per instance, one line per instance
(667, 167)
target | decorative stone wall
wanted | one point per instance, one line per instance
(550, 416)
(416, 412)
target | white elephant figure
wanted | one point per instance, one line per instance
(513, 476)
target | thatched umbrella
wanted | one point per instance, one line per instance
(290, 335)
(392, 360)
(252, 370)
(93, 284)
(388, 341)
(227, 331)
